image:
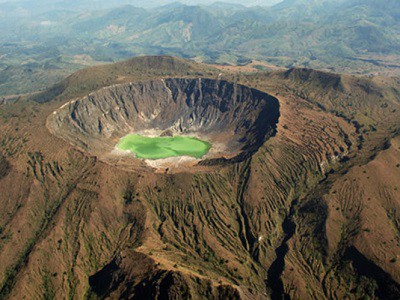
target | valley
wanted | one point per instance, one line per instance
(287, 210)
(200, 150)
(42, 43)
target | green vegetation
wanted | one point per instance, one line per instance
(40, 171)
(224, 225)
(47, 286)
(351, 36)
(163, 147)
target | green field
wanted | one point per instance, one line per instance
(163, 147)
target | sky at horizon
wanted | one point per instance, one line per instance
(145, 3)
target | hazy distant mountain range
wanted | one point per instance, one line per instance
(96, 4)
(348, 35)
(297, 197)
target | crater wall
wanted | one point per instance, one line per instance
(236, 119)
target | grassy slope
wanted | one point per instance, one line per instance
(71, 215)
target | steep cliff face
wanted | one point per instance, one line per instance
(301, 217)
(234, 116)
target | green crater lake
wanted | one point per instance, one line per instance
(163, 147)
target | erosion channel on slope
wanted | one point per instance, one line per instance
(236, 120)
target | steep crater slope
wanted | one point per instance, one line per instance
(234, 118)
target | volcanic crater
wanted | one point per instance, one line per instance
(234, 118)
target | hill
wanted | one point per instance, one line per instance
(350, 36)
(311, 213)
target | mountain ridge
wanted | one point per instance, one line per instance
(74, 220)
(354, 37)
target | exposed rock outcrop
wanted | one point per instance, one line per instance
(236, 118)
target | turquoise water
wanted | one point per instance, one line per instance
(164, 147)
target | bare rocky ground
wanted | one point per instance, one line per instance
(236, 119)
(311, 212)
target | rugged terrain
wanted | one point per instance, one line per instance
(312, 212)
(237, 120)
(43, 41)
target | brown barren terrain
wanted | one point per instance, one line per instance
(311, 213)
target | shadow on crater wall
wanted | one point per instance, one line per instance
(236, 116)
